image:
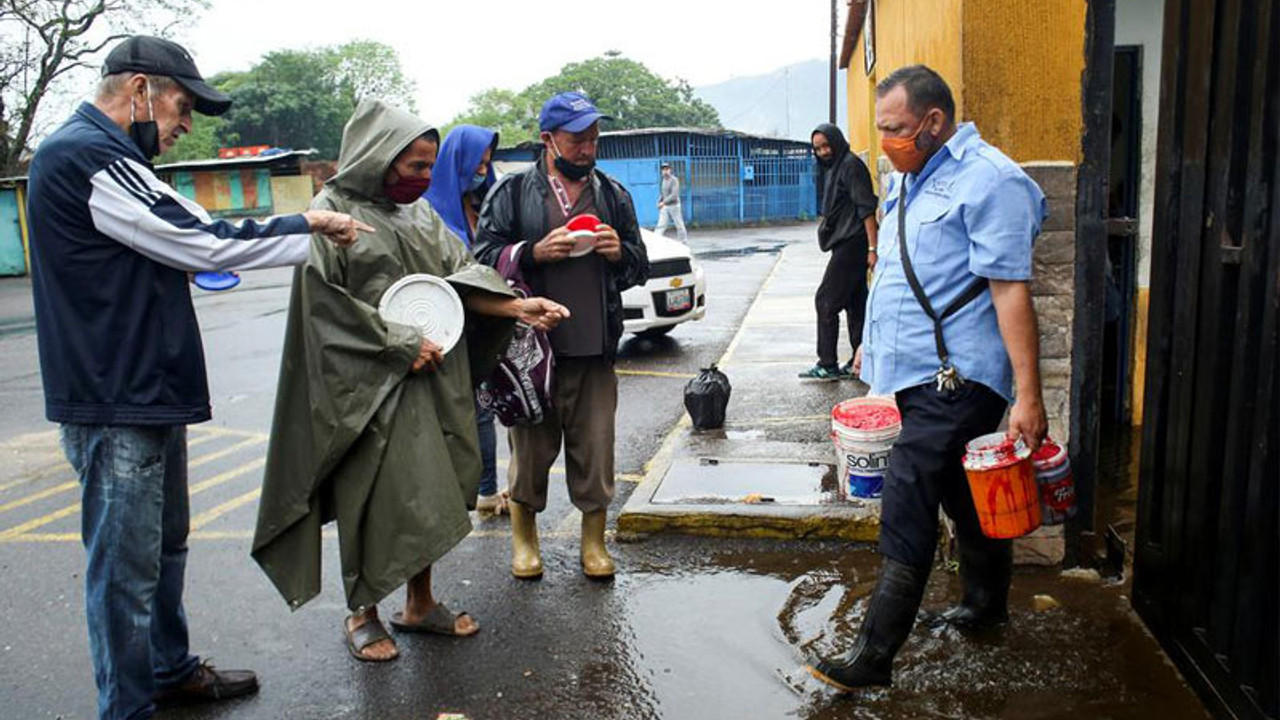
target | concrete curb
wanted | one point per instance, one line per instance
(641, 517)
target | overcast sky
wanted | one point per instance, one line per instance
(455, 48)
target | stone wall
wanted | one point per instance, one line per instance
(1053, 292)
(1053, 289)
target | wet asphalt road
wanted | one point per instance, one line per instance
(691, 628)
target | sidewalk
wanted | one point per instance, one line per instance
(16, 310)
(775, 442)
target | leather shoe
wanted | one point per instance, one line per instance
(205, 684)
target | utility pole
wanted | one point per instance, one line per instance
(831, 112)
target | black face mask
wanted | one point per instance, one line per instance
(570, 170)
(574, 172)
(146, 135)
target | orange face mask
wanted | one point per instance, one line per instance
(904, 153)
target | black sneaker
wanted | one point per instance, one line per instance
(205, 684)
(818, 372)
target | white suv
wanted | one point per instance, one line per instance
(676, 290)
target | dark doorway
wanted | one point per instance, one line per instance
(1206, 577)
(1122, 234)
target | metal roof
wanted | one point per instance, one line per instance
(706, 132)
(226, 163)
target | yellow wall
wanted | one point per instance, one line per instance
(1138, 362)
(1023, 68)
(22, 226)
(1015, 69)
(290, 193)
(907, 32)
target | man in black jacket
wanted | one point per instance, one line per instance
(121, 360)
(527, 213)
(848, 232)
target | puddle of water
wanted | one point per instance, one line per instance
(749, 620)
(768, 247)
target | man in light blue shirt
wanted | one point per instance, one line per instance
(967, 216)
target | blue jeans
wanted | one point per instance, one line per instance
(134, 526)
(488, 451)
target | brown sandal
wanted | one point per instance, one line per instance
(370, 632)
(439, 620)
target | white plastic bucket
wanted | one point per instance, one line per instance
(862, 450)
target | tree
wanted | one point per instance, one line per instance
(630, 92)
(502, 110)
(43, 43)
(625, 89)
(303, 98)
(201, 143)
(366, 68)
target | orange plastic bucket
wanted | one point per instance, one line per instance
(1003, 482)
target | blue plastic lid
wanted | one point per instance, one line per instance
(216, 280)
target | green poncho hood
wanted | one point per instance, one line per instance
(391, 455)
(371, 140)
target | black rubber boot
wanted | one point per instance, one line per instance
(986, 574)
(890, 615)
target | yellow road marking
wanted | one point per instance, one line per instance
(230, 432)
(203, 459)
(505, 463)
(33, 497)
(218, 511)
(72, 509)
(201, 439)
(41, 474)
(64, 466)
(41, 521)
(657, 373)
(328, 534)
(228, 475)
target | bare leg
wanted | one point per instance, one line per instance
(419, 601)
(381, 650)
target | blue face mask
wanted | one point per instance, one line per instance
(476, 181)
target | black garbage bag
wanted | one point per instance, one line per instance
(706, 397)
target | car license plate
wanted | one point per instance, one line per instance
(679, 300)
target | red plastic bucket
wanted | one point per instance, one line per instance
(1003, 484)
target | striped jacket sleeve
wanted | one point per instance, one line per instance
(131, 205)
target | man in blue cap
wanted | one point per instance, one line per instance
(526, 216)
(121, 358)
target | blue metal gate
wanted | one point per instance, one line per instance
(12, 259)
(725, 178)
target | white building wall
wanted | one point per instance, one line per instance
(1141, 22)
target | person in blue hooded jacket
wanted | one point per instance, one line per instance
(461, 178)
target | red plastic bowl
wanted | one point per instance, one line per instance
(585, 221)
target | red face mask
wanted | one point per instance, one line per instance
(904, 152)
(406, 190)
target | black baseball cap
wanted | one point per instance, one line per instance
(157, 56)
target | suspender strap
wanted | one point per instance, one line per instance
(974, 290)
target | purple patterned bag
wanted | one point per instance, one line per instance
(518, 391)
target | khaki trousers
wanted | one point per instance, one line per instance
(585, 400)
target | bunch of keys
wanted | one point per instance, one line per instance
(949, 379)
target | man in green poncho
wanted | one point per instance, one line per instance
(374, 426)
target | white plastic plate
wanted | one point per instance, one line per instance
(584, 242)
(427, 303)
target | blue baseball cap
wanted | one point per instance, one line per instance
(570, 111)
